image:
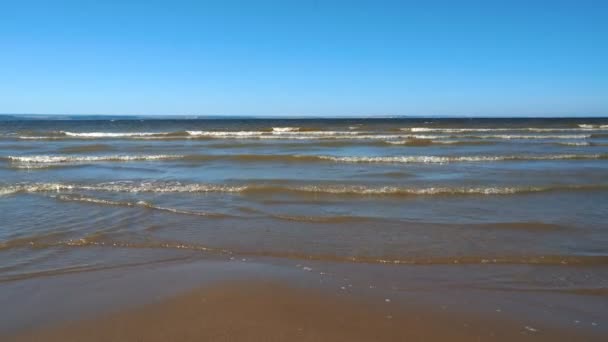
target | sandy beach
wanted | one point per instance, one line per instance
(249, 301)
(266, 311)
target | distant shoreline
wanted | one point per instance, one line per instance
(127, 117)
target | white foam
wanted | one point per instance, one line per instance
(441, 142)
(320, 133)
(584, 143)
(281, 133)
(452, 159)
(112, 134)
(514, 129)
(314, 135)
(351, 133)
(234, 134)
(75, 159)
(394, 190)
(37, 138)
(134, 187)
(589, 126)
(450, 130)
(48, 160)
(176, 187)
(285, 129)
(521, 136)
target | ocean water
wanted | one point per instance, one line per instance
(82, 195)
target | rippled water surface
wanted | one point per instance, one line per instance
(83, 195)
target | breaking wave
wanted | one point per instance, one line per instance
(453, 159)
(111, 135)
(304, 134)
(589, 126)
(285, 129)
(526, 136)
(575, 143)
(504, 129)
(177, 187)
(429, 142)
(42, 160)
(75, 159)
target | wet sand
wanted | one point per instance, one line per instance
(275, 311)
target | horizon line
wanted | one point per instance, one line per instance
(299, 117)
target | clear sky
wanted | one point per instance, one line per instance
(319, 58)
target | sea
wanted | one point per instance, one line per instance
(523, 201)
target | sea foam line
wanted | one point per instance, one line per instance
(47, 159)
(583, 128)
(589, 126)
(42, 159)
(453, 159)
(176, 187)
(259, 158)
(291, 133)
(111, 134)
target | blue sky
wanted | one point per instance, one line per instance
(297, 58)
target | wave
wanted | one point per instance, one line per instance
(277, 133)
(75, 159)
(285, 129)
(350, 142)
(525, 136)
(154, 187)
(505, 129)
(55, 135)
(453, 159)
(177, 187)
(285, 133)
(148, 205)
(412, 142)
(590, 126)
(108, 135)
(42, 160)
(582, 143)
(103, 241)
(429, 142)
(140, 204)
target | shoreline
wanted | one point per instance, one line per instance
(271, 311)
(260, 300)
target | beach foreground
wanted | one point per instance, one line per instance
(245, 300)
(266, 311)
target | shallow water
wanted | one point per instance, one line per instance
(86, 195)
